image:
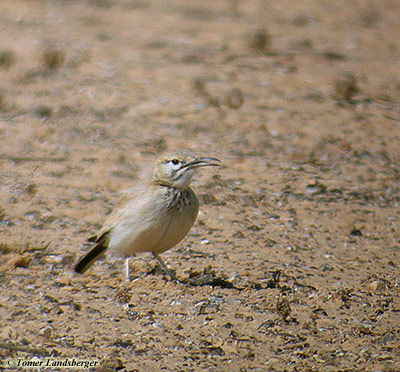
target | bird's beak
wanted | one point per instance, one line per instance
(202, 162)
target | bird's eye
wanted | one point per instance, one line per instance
(175, 161)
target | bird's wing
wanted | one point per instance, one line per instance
(138, 222)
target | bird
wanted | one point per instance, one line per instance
(154, 215)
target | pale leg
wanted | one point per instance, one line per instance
(127, 270)
(164, 266)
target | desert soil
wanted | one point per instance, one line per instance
(299, 226)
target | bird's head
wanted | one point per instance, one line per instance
(175, 169)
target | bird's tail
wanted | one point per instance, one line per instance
(95, 253)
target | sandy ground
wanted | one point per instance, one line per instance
(299, 99)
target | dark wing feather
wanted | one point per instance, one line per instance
(95, 253)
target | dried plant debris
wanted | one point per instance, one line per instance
(22, 261)
(345, 87)
(24, 348)
(293, 262)
(7, 58)
(110, 365)
(53, 59)
(234, 98)
(259, 40)
(208, 277)
(283, 307)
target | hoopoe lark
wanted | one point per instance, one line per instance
(154, 215)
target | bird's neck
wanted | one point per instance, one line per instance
(170, 185)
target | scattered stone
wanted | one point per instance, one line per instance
(207, 307)
(376, 286)
(283, 307)
(22, 261)
(346, 87)
(53, 59)
(43, 111)
(123, 296)
(315, 188)
(234, 98)
(7, 58)
(110, 365)
(214, 350)
(202, 280)
(208, 199)
(327, 267)
(388, 338)
(31, 189)
(46, 332)
(365, 329)
(259, 40)
(356, 232)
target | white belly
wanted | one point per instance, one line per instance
(177, 229)
(155, 228)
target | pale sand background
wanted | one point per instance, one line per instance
(92, 91)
